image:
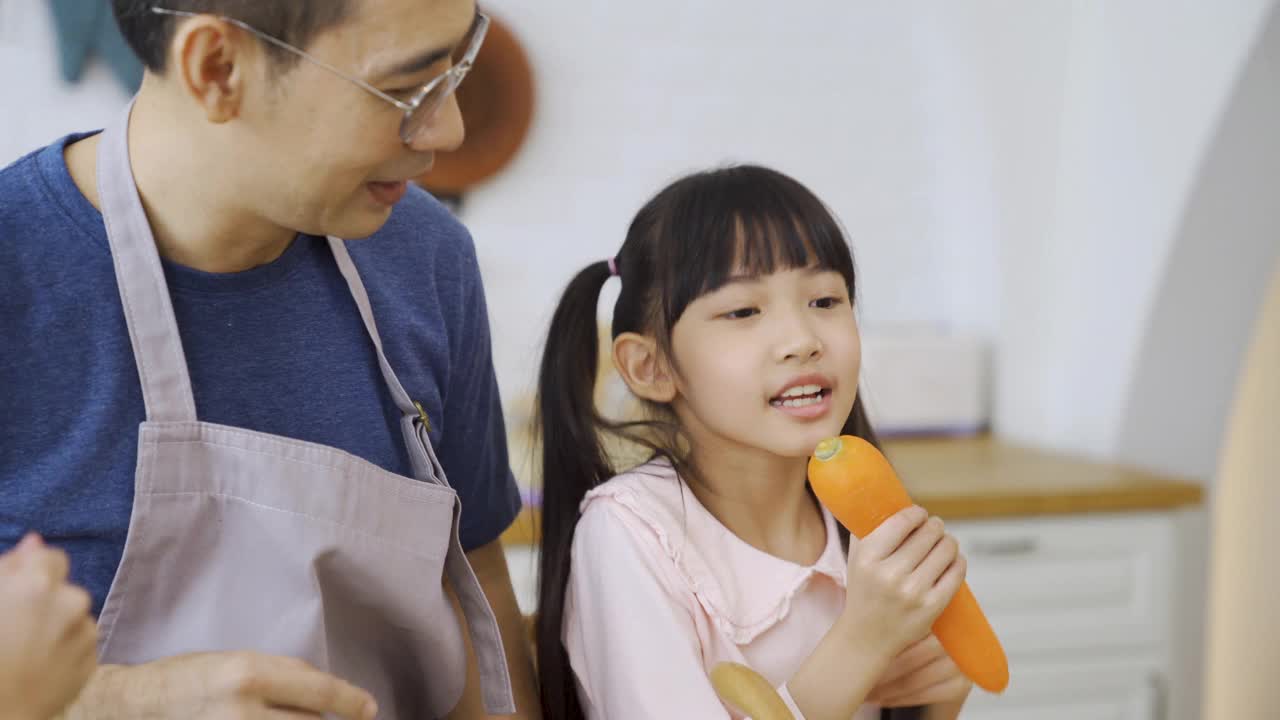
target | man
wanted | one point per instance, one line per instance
(245, 424)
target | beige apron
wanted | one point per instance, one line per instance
(240, 540)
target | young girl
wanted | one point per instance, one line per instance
(735, 327)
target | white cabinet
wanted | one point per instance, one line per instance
(522, 563)
(1100, 691)
(1088, 582)
(1088, 609)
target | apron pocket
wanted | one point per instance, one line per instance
(242, 541)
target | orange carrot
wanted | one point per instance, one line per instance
(857, 484)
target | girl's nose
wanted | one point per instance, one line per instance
(801, 343)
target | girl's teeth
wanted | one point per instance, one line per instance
(802, 390)
(802, 402)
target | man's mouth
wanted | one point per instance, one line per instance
(388, 193)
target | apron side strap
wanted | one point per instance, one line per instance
(491, 657)
(349, 273)
(419, 459)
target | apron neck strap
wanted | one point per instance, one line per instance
(148, 311)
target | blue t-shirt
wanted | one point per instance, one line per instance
(278, 349)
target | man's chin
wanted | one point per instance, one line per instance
(358, 225)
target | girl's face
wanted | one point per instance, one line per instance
(768, 363)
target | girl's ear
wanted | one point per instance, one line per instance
(643, 368)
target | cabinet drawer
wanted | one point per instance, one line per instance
(1078, 582)
(522, 564)
(1097, 691)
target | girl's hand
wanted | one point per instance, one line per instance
(900, 578)
(923, 674)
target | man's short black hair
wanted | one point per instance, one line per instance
(296, 22)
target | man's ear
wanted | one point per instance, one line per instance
(643, 368)
(210, 59)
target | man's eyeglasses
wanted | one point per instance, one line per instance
(422, 106)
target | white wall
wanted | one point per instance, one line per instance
(38, 107)
(1211, 290)
(1147, 83)
(1018, 170)
(1014, 170)
(876, 107)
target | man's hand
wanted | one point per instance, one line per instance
(48, 641)
(224, 685)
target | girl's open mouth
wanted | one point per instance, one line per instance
(802, 396)
(807, 402)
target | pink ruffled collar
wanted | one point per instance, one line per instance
(744, 590)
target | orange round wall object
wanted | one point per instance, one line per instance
(496, 100)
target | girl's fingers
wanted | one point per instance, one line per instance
(948, 584)
(927, 573)
(885, 539)
(917, 547)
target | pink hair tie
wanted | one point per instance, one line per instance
(613, 267)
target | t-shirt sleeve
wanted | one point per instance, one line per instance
(473, 448)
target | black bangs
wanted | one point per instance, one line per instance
(742, 220)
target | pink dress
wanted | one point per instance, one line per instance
(660, 591)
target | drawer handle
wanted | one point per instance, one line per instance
(1160, 696)
(1005, 548)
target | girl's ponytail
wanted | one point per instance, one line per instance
(573, 461)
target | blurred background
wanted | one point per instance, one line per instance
(1066, 219)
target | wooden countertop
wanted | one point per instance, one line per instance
(983, 477)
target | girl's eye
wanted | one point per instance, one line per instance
(827, 303)
(741, 313)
